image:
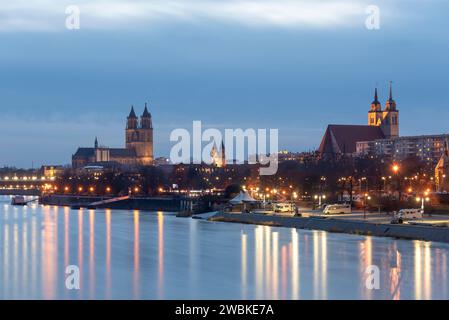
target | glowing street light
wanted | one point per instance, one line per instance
(395, 168)
(423, 200)
(320, 199)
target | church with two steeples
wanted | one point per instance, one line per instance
(138, 149)
(381, 138)
(383, 123)
(388, 119)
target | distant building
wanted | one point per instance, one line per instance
(427, 148)
(382, 124)
(138, 145)
(301, 157)
(50, 171)
(442, 170)
(218, 157)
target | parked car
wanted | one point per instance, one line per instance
(337, 209)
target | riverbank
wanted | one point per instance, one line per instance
(169, 204)
(410, 232)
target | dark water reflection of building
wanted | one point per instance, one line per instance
(154, 255)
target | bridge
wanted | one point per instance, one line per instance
(24, 185)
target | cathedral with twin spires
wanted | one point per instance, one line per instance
(138, 145)
(388, 119)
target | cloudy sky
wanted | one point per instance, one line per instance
(296, 65)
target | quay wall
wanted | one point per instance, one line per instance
(18, 192)
(171, 204)
(412, 232)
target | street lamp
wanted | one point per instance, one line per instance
(395, 168)
(320, 198)
(365, 200)
(423, 200)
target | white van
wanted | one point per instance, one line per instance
(337, 209)
(409, 214)
(284, 207)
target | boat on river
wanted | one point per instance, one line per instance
(18, 201)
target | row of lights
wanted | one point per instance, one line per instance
(34, 178)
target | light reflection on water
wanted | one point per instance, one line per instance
(134, 254)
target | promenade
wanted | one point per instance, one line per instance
(433, 228)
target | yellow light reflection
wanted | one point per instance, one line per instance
(275, 264)
(268, 275)
(160, 234)
(418, 272)
(49, 271)
(108, 252)
(136, 283)
(92, 252)
(366, 260)
(258, 237)
(295, 265)
(80, 245)
(244, 239)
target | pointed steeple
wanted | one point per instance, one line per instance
(390, 97)
(375, 105)
(223, 154)
(132, 114)
(132, 120)
(96, 143)
(391, 104)
(146, 114)
(145, 119)
(376, 99)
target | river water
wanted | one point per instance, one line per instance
(154, 255)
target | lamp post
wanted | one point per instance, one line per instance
(425, 198)
(365, 202)
(396, 170)
(320, 197)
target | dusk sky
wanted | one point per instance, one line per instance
(292, 65)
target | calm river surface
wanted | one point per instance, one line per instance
(154, 255)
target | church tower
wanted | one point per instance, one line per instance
(390, 121)
(139, 136)
(375, 114)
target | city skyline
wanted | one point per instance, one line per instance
(78, 84)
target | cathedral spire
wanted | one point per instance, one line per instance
(375, 105)
(376, 99)
(391, 104)
(132, 119)
(132, 114)
(145, 112)
(390, 98)
(96, 143)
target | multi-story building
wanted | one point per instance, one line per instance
(427, 148)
